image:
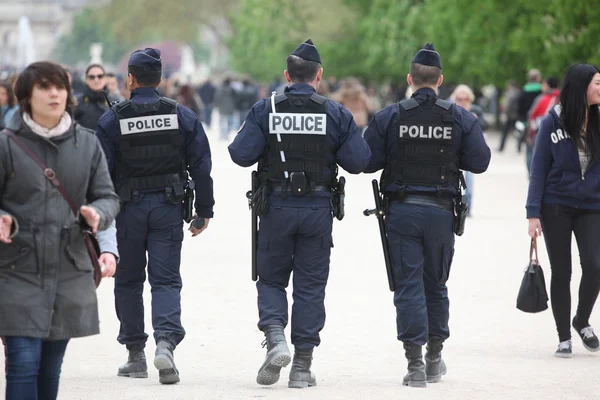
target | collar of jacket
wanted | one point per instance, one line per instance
(424, 92)
(92, 96)
(300, 88)
(145, 92)
(19, 127)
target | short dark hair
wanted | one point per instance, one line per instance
(552, 82)
(43, 73)
(424, 75)
(144, 77)
(300, 70)
(9, 92)
(87, 70)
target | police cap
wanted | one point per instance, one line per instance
(428, 56)
(307, 51)
(148, 59)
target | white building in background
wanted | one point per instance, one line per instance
(49, 19)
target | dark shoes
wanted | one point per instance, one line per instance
(135, 367)
(431, 371)
(300, 375)
(586, 333)
(164, 361)
(278, 355)
(416, 376)
(435, 367)
(564, 350)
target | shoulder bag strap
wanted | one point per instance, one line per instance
(48, 172)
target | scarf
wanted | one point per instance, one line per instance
(63, 126)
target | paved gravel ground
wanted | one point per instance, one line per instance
(495, 351)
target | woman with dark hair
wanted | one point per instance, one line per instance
(564, 198)
(91, 104)
(47, 291)
(188, 97)
(8, 106)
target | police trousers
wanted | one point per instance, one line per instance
(294, 240)
(151, 225)
(421, 242)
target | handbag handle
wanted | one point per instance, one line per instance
(532, 249)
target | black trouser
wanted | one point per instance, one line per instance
(558, 223)
(508, 128)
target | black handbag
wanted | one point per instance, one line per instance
(533, 297)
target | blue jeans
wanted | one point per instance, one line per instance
(528, 157)
(33, 368)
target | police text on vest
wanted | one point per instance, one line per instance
(426, 132)
(297, 123)
(150, 123)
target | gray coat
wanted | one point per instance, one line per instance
(46, 281)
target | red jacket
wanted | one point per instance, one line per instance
(540, 108)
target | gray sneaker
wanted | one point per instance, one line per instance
(565, 349)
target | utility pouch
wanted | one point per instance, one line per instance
(298, 184)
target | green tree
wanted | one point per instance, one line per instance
(266, 32)
(123, 25)
(88, 28)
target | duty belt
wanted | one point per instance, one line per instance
(317, 188)
(430, 200)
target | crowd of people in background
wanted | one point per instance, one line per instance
(223, 102)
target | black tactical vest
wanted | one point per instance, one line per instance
(149, 155)
(297, 140)
(425, 155)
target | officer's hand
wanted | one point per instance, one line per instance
(108, 262)
(196, 232)
(535, 228)
(91, 216)
(5, 228)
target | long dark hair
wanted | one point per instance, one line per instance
(574, 107)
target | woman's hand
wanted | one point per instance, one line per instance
(108, 262)
(6, 222)
(535, 228)
(91, 216)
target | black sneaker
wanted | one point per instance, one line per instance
(589, 339)
(565, 349)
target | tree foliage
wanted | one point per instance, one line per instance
(480, 42)
(88, 28)
(123, 25)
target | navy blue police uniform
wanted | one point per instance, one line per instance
(421, 144)
(298, 135)
(151, 144)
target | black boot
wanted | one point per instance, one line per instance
(416, 376)
(164, 361)
(135, 367)
(278, 355)
(434, 365)
(300, 375)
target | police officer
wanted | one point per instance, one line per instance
(421, 144)
(296, 138)
(151, 143)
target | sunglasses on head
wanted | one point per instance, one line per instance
(92, 77)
